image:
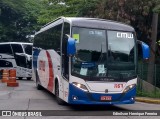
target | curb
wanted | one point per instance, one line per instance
(146, 100)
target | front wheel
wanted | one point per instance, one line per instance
(20, 78)
(29, 78)
(59, 101)
(38, 86)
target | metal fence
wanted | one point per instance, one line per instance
(145, 88)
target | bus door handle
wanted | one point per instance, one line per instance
(58, 66)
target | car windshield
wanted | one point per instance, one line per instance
(102, 53)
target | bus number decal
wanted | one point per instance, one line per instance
(51, 75)
(118, 85)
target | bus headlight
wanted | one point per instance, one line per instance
(80, 86)
(129, 88)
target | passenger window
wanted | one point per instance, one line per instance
(50, 39)
(4, 63)
(5, 49)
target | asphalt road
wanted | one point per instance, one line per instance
(27, 97)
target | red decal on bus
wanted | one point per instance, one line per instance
(51, 75)
(118, 85)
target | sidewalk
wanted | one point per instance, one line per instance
(148, 100)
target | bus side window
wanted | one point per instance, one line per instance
(53, 38)
(49, 39)
(65, 58)
(5, 49)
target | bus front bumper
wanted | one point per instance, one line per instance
(78, 96)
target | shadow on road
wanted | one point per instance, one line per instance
(96, 108)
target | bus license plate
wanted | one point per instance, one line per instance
(103, 98)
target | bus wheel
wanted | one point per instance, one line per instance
(20, 78)
(59, 101)
(29, 78)
(38, 86)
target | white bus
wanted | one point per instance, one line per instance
(17, 55)
(87, 61)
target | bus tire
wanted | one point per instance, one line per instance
(20, 78)
(29, 78)
(59, 101)
(38, 86)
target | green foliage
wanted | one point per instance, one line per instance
(54, 9)
(154, 94)
(18, 19)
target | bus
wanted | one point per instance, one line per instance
(87, 60)
(17, 55)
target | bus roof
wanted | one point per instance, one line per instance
(99, 23)
(16, 43)
(89, 23)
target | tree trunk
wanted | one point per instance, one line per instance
(150, 76)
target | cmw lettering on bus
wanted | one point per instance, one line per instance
(124, 35)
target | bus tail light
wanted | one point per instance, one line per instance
(80, 86)
(129, 88)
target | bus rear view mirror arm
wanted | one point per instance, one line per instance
(71, 47)
(145, 49)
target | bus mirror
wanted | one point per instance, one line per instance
(71, 46)
(145, 49)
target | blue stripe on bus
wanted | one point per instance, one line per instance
(94, 98)
(35, 59)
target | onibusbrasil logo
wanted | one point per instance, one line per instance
(21, 113)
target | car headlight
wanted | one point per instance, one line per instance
(80, 86)
(129, 88)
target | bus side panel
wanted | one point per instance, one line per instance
(63, 84)
(42, 68)
(47, 64)
(54, 64)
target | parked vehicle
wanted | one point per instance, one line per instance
(17, 55)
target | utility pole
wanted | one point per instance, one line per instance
(150, 76)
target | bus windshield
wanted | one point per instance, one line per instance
(103, 53)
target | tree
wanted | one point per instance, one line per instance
(18, 19)
(151, 67)
(57, 8)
